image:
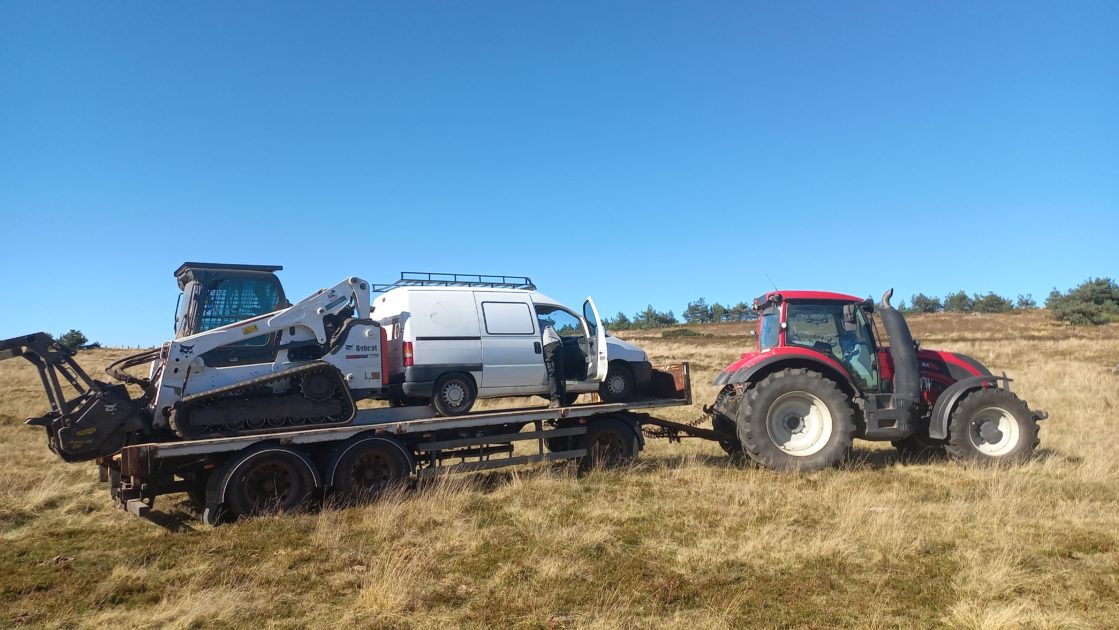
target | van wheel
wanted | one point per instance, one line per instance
(619, 384)
(454, 394)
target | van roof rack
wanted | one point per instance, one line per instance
(430, 279)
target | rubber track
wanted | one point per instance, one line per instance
(186, 403)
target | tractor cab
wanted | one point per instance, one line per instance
(838, 327)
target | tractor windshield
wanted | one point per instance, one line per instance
(822, 327)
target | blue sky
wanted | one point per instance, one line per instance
(640, 152)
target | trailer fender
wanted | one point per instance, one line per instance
(365, 438)
(218, 484)
(946, 402)
(634, 423)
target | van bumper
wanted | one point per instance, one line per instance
(419, 381)
(418, 390)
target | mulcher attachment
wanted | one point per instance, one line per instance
(96, 422)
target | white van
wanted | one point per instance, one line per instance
(451, 345)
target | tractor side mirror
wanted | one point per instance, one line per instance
(850, 324)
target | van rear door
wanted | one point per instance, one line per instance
(598, 362)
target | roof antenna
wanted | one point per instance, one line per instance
(771, 281)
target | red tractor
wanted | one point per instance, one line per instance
(820, 377)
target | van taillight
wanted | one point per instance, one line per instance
(408, 360)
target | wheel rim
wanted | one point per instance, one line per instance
(270, 485)
(371, 471)
(799, 424)
(994, 431)
(454, 394)
(617, 384)
(608, 448)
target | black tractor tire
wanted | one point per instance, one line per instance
(610, 443)
(368, 466)
(795, 419)
(620, 384)
(274, 480)
(991, 426)
(454, 394)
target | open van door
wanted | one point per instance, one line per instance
(597, 361)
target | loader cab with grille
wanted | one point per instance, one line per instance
(215, 295)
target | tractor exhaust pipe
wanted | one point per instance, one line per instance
(907, 386)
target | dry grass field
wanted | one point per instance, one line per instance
(681, 539)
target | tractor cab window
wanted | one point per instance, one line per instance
(770, 335)
(822, 327)
(235, 299)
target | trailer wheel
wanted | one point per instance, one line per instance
(454, 394)
(991, 426)
(619, 385)
(368, 466)
(610, 443)
(795, 420)
(271, 480)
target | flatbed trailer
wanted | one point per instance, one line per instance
(277, 471)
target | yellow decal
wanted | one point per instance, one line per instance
(84, 432)
(250, 329)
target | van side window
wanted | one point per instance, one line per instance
(508, 318)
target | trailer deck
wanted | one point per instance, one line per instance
(433, 445)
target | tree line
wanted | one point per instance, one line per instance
(1094, 301)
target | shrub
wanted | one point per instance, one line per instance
(1094, 301)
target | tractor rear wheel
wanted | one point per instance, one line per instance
(795, 420)
(991, 426)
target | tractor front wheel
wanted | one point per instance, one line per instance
(992, 425)
(795, 420)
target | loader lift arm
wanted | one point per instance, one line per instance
(51, 359)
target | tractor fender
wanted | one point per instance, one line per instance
(946, 402)
(218, 484)
(365, 438)
(751, 372)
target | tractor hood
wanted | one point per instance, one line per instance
(944, 366)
